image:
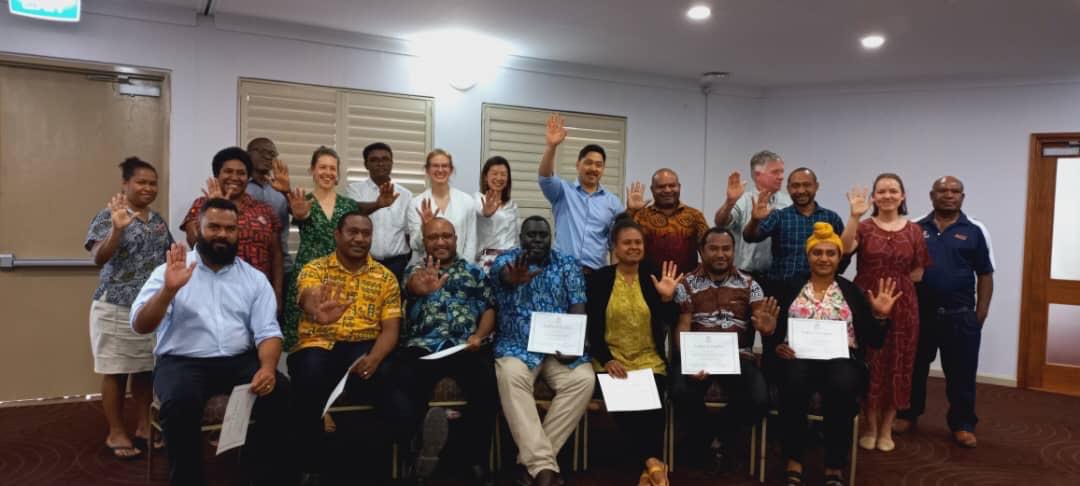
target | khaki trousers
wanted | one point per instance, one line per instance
(538, 443)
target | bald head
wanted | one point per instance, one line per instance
(947, 196)
(665, 189)
(440, 239)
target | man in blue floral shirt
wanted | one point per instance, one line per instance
(449, 303)
(534, 278)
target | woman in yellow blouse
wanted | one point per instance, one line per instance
(630, 307)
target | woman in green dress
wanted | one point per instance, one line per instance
(316, 214)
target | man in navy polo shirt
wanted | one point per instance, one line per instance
(954, 299)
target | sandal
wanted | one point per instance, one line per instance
(657, 471)
(834, 480)
(118, 452)
(141, 443)
(793, 478)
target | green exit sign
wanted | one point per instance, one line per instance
(55, 10)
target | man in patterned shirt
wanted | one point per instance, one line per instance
(720, 298)
(672, 229)
(535, 278)
(259, 227)
(790, 227)
(449, 303)
(352, 312)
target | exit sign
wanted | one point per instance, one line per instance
(55, 10)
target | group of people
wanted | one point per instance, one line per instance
(383, 278)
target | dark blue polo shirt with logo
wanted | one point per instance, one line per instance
(958, 254)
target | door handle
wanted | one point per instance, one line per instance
(9, 262)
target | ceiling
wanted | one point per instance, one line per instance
(767, 43)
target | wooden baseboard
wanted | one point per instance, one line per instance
(33, 402)
(981, 378)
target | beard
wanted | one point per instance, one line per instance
(217, 252)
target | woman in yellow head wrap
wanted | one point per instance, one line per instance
(826, 296)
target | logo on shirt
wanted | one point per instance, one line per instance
(925, 234)
(959, 236)
(262, 220)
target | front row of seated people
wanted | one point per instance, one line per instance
(214, 316)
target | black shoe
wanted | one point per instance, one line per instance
(481, 476)
(721, 462)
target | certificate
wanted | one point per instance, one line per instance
(635, 392)
(237, 416)
(818, 339)
(340, 388)
(549, 332)
(446, 352)
(716, 353)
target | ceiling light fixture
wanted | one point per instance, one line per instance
(464, 58)
(872, 41)
(699, 12)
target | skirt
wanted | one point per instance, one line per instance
(116, 348)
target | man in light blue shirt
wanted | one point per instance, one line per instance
(214, 315)
(583, 211)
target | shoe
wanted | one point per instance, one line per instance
(868, 442)
(433, 437)
(901, 426)
(834, 480)
(965, 439)
(547, 477)
(722, 462)
(885, 444)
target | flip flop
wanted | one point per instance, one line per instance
(141, 443)
(117, 449)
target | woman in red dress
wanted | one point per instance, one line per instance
(889, 246)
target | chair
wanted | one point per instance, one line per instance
(715, 399)
(815, 415)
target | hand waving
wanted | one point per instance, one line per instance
(556, 130)
(330, 305)
(882, 303)
(761, 206)
(518, 273)
(670, 278)
(119, 212)
(858, 201)
(177, 271)
(279, 176)
(735, 187)
(213, 190)
(299, 205)
(635, 196)
(426, 280)
(492, 201)
(387, 196)
(764, 317)
(425, 212)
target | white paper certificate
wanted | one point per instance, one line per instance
(340, 388)
(635, 392)
(446, 352)
(716, 353)
(237, 416)
(550, 332)
(818, 339)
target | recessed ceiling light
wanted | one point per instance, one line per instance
(872, 41)
(699, 12)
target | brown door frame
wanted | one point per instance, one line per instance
(1038, 289)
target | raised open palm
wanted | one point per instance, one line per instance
(299, 204)
(119, 213)
(556, 130)
(426, 279)
(635, 196)
(735, 186)
(177, 271)
(764, 317)
(858, 201)
(279, 176)
(330, 304)
(761, 206)
(492, 200)
(387, 196)
(670, 278)
(518, 273)
(883, 301)
(425, 211)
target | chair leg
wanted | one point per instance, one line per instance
(394, 462)
(585, 442)
(753, 450)
(854, 449)
(498, 445)
(150, 454)
(577, 439)
(669, 436)
(764, 450)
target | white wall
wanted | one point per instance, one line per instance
(207, 56)
(978, 133)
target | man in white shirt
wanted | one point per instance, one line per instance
(389, 245)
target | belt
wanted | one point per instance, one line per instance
(954, 310)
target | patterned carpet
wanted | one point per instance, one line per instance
(1025, 437)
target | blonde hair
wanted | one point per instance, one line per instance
(438, 151)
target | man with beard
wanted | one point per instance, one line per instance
(449, 303)
(790, 227)
(535, 278)
(767, 171)
(352, 313)
(258, 228)
(264, 156)
(584, 212)
(954, 300)
(672, 229)
(214, 315)
(720, 298)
